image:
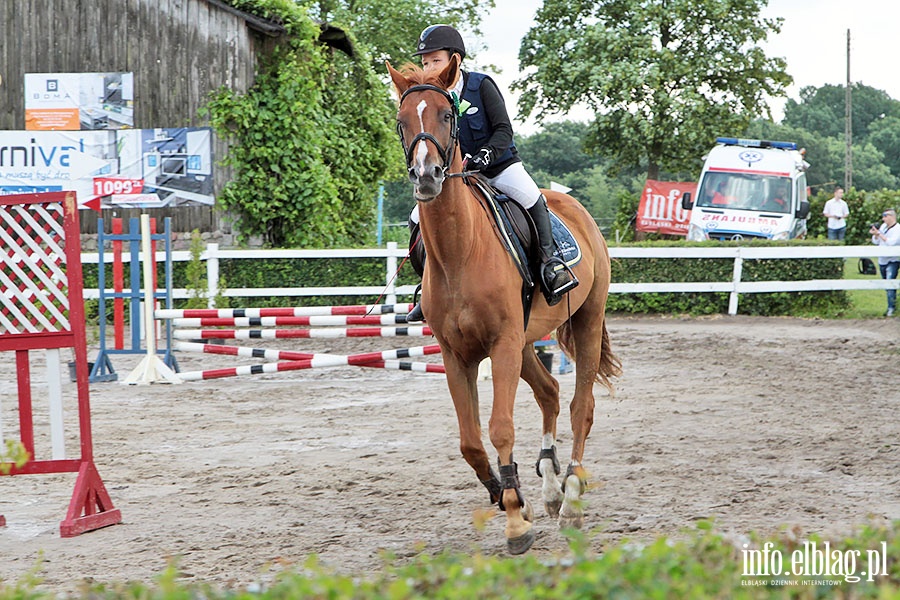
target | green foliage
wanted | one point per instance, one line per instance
(299, 272)
(865, 209)
(822, 109)
(817, 122)
(864, 304)
(14, 454)
(310, 139)
(644, 270)
(391, 28)
(558, 149)
(826, 157)
(701, 563)
(195, 271)
(623, 227)
(884, 134)
(662, 77)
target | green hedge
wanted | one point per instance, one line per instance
(696, 564)
(313, 272)
(274, 273)
(865, 209)
(644, 270)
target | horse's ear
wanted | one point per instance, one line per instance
(400, 82)
(450, 73)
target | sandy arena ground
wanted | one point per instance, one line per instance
(757, 423)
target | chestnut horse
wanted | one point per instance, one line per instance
(471, 297)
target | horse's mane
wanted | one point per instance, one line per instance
(418, 76)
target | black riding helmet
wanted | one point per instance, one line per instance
(440, 37)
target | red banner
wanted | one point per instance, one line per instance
(660, 208)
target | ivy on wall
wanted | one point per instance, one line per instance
(309, 141)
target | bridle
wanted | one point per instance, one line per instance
(447, 151)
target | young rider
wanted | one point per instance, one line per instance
(486, 140)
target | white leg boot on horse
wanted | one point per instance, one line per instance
(556, 279)
(546, 393)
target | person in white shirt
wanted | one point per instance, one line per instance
(888, 235)
(837, 211)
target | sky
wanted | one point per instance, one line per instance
(813, 40)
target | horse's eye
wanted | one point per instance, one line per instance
(448, 116)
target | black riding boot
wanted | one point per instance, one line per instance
(415, 315)
(556, 278)
(418, 264)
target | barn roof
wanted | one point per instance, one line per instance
(331, 35)
(265, 26)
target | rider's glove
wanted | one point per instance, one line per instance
(480, 161)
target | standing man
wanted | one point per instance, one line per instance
(888, 235)
(837, 211)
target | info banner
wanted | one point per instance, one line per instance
(79, 101)
(136, 167)
(660, 208)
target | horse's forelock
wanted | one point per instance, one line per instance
(416, 75)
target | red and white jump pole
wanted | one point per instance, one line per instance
(315, 321)
(278, 334)
(324, 361)
(297, 311)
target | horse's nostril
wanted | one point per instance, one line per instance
(412, 175)
(436, 172)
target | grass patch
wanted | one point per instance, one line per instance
(700, 564)
(864, 304)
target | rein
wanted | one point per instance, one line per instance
(447, 151)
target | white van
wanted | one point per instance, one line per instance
(749, 189)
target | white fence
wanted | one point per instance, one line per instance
(392, 253)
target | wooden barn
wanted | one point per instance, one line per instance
(178, 50)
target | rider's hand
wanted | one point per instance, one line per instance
(480, 161)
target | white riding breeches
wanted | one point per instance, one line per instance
(514, 181)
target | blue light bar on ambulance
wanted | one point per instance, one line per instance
(756, 143)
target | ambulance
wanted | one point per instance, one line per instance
(749, 189)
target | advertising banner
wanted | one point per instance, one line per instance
(79, 101)
(136, 167)
(660, 208)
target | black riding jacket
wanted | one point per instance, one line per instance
(485, 123)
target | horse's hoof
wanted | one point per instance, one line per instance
(520, 544)
(552, 508)
(571, 521)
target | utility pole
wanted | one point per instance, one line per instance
(848, 126)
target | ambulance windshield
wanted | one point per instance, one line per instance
(746, 191)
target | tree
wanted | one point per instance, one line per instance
(884, 134)
(390, 28)
(663, 77)
(821, 110)
(557, 149)
(309, 140)
(556, 153)
(826, 157)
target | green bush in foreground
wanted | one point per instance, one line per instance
(700, 564)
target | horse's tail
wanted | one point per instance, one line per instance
(609, 365)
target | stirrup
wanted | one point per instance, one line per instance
(554, 296)
(415, 315)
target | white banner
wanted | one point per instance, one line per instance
(107, 168)
(79, 101)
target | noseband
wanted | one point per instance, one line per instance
(447, 151)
